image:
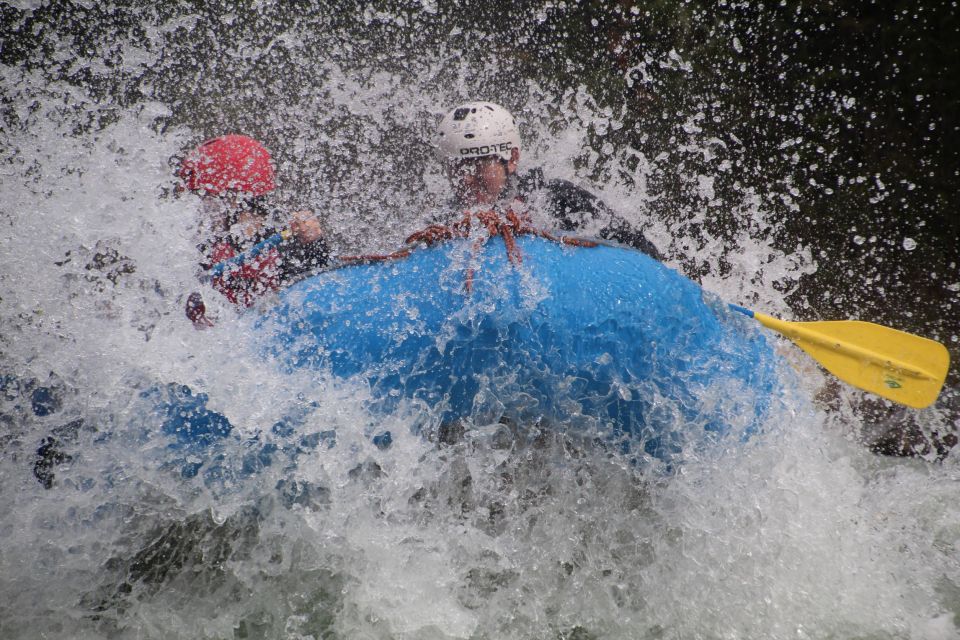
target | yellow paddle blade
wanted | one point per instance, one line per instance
(893, 364)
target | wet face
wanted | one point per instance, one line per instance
(481, 181)
(238, 213)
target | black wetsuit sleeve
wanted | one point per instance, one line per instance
(575, 208)
(619, 230)
(298, 258)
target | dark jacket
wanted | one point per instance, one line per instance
(574, 209)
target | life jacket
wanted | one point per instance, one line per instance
(264, 267)
(246, 282)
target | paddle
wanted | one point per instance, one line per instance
(893, 364)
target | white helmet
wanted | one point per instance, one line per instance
(478, 129)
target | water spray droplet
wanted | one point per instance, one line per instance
(909, 244)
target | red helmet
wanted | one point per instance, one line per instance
(229, 163)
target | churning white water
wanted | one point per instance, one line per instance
(508, 531)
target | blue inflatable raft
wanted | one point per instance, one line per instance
(604, 339)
